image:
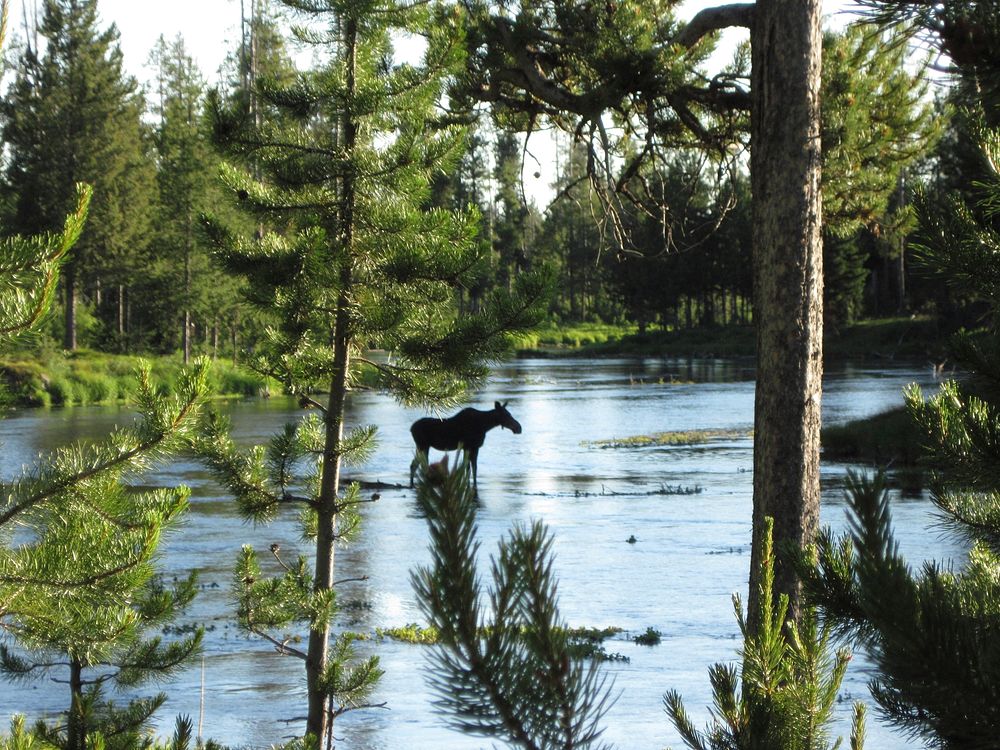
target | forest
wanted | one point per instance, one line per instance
(888, 133)
(344, 213)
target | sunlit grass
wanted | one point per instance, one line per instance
(673, 438)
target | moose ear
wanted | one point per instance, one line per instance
(497, 405)
(505, 404)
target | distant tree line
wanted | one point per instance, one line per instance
(143, 279)
(882, 140)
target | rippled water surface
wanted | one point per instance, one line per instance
(691, 554)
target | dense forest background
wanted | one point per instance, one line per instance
(143, 279)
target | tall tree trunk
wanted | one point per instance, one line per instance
(69, 336)
(76, 729)
(318, 721)
(121, 317)
(788, 278)
(186, 333)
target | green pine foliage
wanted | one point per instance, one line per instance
(877, 121)
(348, 256)
(184, 280)
(932, 632)
(29, 272)
(78, 591)
(72, 115)
(783, 692)
(505, 667)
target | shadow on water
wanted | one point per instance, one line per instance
(690, 548)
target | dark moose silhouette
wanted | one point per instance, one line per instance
(466, 430)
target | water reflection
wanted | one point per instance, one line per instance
(691, 551)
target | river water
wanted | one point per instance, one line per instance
(691, 551)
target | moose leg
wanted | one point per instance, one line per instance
(473, 460)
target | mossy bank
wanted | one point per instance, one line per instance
(86, 377)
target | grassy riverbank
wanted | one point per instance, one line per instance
(86, 377)
(887, 439)
(884, 339)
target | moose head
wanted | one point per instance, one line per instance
(505, 419)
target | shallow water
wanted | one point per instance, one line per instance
(691, 554)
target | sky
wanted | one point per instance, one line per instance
(211, 30)
(211, 27)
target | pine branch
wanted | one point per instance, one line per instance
(517, 683)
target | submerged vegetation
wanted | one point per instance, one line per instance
(671, 438)
(583, 642)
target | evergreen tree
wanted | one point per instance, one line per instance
(783, 693)
(932, 633)
(877, 123)
(347, 258)
(77, 591)
(571, 240)
(185, 278)
(511, 230)
(73, 116)
(506, 672)
(76, 584)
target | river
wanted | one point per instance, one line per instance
(691, 550)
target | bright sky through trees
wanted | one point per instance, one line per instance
(211, 29)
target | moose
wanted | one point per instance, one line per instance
(466, 430)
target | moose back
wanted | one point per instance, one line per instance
(467, 430)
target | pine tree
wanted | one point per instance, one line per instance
(73, 116)
(512, 230)
(783, 692)
(505, 672)
(185, 277)
(877, 123)
(347, 257)
(932, 633)
(78, 544)
(77, 590)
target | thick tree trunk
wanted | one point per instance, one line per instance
(69, 337)
(788, 277)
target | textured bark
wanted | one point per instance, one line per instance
(788, 277)
(319, 722)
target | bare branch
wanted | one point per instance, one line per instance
(715, 19)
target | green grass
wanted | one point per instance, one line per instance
(601, 339)
(651, 637)
(886, 438)
(679, 437)
(885, 338)
(584, 643)
(576, 335)
(87, 377)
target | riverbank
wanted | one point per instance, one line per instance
(884, 339)
(87, 377)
